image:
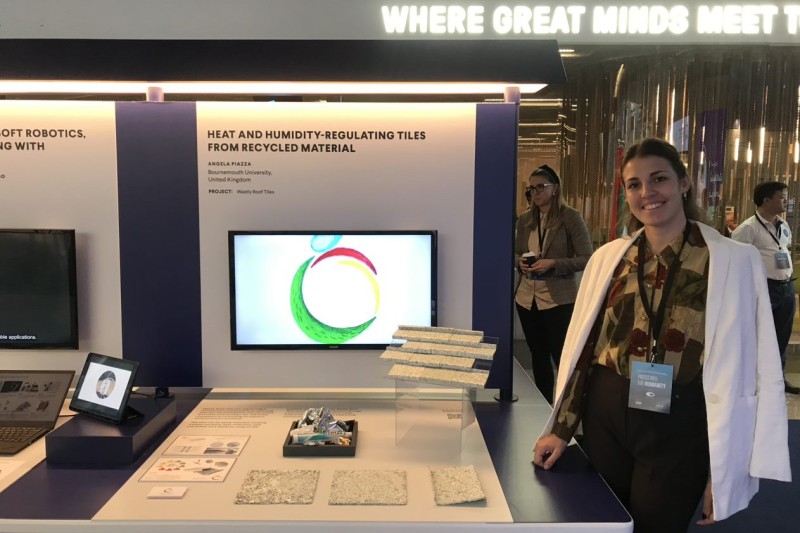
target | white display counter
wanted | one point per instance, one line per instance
(571, 497)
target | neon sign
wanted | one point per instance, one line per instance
(577, 19)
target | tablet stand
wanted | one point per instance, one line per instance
(130, 413)
(87, 441)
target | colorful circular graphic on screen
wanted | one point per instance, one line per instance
(348, 262)
(105, 384)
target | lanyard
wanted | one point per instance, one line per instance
(657, 321)
(539, 230)
(777, 230)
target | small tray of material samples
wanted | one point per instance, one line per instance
(323, 449)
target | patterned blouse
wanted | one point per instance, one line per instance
(620, 333)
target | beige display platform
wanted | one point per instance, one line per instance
(266, 416)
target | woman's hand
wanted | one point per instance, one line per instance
(547, 450)
(543, 265)
(708, 507)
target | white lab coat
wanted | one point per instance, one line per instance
(742, 375)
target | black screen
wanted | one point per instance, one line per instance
(38, 295)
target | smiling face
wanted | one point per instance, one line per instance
(654, 193)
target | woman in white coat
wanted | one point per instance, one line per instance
(673, 368)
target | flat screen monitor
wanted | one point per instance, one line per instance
(38, 289)
(329, 289)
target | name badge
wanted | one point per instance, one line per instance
(651, 387)
(782, 260)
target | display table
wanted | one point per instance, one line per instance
(572, 495)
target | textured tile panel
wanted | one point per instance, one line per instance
(457, 484)
(439, 376)
(369, 487)
(278, 486)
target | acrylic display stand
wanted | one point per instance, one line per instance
(431, 416)
(430, 419)
(87, 441)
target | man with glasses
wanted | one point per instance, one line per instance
(768, 232)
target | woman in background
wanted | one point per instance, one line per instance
(671, 360)
(552, 245)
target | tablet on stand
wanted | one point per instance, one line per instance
(104, 388)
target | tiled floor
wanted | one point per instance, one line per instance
(792, 370)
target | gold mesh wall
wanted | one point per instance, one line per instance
(733, 113)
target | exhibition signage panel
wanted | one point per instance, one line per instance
(326, 167)
(58, 170)
(153, 190)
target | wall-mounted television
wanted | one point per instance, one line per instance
(329, 289)
(38, 289)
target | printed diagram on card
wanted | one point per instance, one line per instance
(227, 445)
(189, 469)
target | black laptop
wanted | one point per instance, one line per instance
(30, 401)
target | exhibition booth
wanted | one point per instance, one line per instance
(254, 258)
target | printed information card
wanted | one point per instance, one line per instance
(207, 445)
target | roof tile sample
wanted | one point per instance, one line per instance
(458, 484)
(278, 486)
(369, 487)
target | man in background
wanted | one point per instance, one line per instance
(768, 232)
(730, 223)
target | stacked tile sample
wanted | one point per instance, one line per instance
(445, 356)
